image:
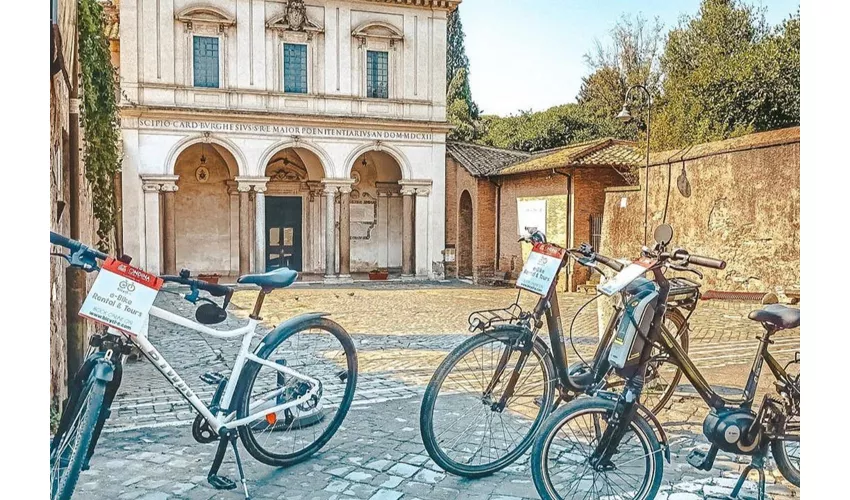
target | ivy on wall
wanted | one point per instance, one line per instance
(99, 115)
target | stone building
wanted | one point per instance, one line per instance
(70, 196)
(307, 134)
(493, 194)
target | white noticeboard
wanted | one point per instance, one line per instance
(530, 213)
(541, 268)
(121, 297)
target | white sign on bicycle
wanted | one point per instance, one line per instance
(541, 268)
(121, 296)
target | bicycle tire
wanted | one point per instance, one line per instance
(87, 407)
(252, 370)
(429, 400)
(783, 460)
(580, 408)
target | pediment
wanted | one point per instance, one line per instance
(281, 22)
(205, 14)
(377, 29)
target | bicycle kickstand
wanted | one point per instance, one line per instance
(758, 465)
(221, 482)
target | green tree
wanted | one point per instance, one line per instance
(554, 127)
(630, 58)
(462, 112)
(728, 73)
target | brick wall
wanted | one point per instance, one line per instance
(744, 207)
(589, 199)
(479, 239)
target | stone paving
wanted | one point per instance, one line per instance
(401, 333)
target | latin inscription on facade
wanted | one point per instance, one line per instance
(267, 129)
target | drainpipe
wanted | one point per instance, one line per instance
(498, 254)
(75, 279)
(569, 238)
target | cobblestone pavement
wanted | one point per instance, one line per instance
(401, 333)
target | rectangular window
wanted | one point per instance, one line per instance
(295, 68)
(377, 74)
(205, 61)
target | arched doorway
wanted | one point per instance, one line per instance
(206, 216)
(464, 236)
(375, 209)
(293, 214)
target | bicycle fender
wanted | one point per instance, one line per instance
(103, 370)
(519, 330)
(659, 429)
(284, 328)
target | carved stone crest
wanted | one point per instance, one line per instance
(296, 15)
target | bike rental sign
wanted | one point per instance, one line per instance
(121, 296)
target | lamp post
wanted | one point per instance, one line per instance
(625, 116)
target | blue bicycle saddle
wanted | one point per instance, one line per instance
(279, 278)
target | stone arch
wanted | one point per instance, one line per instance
(465, 234)
(398, 156)
(186, 142)
(268, 154)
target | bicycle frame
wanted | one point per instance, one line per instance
(224, 419)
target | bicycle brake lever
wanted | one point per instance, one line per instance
(687, 269)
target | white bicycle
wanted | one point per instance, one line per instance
(285, 398)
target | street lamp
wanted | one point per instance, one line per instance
(625, 116)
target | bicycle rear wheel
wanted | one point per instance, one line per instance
(462, 428)
(69, 447)
(320, 349)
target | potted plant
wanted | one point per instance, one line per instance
(378, 274)
(209, 277)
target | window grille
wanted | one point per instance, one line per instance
(205, 61)
(377, 74)
(295, 68)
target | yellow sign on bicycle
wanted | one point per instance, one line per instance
(121, 296)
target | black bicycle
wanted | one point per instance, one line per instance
(285, 398)
(489, 397)
(607, 447)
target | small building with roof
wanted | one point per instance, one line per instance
(493, 194)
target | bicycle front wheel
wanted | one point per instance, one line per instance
(562, 463)
(464, 430)
(321, 350)
(70, 446)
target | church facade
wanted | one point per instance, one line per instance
(306, 134)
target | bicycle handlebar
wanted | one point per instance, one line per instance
(587, 250)
(699, 260)
(75, 246)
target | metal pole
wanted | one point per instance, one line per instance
(646, 193)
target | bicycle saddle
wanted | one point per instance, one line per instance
(777, 315)
(279, 278)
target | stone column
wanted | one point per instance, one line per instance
(152, 234)
(234, 226)
(344, 233)
(423, 266)
(260, 228)
(330, 232)
(244, 229)
(381, 230)
(169, 241)
(407, 232)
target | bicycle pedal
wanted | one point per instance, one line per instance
(212, 378)
(701, 459)
(221, 482)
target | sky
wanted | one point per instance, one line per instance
(529, 54)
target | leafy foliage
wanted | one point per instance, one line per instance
(462, 112)
(557, 126)
(631, 58)
(727, 73)
(99, 114)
